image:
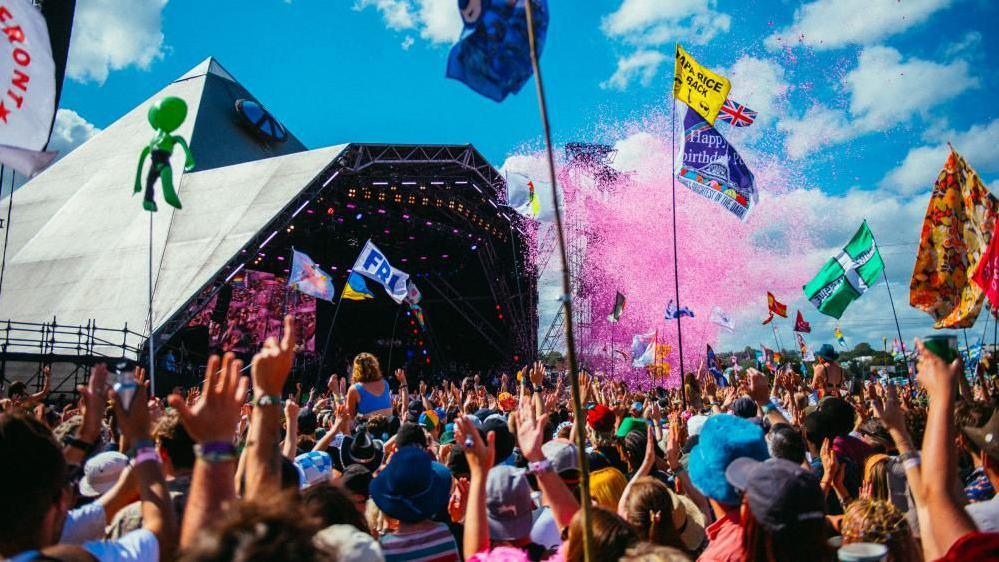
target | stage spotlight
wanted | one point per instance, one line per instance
(475, 247)
(359, 216)
(330, 210)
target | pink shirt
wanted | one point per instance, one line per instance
(725, 539)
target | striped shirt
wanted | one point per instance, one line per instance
(436, 544)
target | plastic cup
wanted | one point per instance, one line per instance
(863, 552)
(944, 347)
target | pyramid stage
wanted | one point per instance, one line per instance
(75, 285)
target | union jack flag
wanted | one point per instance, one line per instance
(736, 114)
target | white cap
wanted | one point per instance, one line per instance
(101, 472)
(695, 423)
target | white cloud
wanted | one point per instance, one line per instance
(437, 21)
(641, 65)
(656, 22)
(968, 42)
(759, 84)
(831, 24)
(918, 170)
(108, 36)
(70, 131)
(407, 43)
(819, 126)
(885, 90)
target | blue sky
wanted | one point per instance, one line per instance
(860, 104)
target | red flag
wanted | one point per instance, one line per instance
(775, 306)
(801, 326)
(987, 274)
(768, 319)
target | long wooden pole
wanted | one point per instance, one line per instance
(676, 267)
(570, 339)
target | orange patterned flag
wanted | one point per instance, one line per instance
(956, 232)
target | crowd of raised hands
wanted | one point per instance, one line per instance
(277, 475)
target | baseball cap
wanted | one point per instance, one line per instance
(314, 467)
(744, 407)
(101, 472)
(985, 437)
(780, 493)
(630, 424)
(562, 454)
(695, 423)
(600, 418)
(429, 419)
(508, 504)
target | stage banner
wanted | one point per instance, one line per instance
(372, 264)
(697, 86)
(710, 167)
(28, 76)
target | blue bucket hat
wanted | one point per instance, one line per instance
(723, 439)
(411, 487)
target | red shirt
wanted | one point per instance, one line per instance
(724, 539)
(973, 546)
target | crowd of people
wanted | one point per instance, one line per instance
(775, 466)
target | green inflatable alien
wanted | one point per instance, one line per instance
(165, 116)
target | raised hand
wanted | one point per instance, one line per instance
(291, 408)
(272, 364)
(759, 387)
(936, 376)
(134, 424)
(400, 376)
(537, 373)
(215, 416)
(481, 454)
(93, 399)
(530, 430)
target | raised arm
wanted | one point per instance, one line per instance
(480, 457)
(271, 367)
(950, 520)
(211, 423)
(290, 444)
(92, 401)
(530, 435)
(759, 391)
(157, 509)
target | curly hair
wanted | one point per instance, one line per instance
(366, 368)
(877, 521)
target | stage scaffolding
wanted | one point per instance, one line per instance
(70, 350)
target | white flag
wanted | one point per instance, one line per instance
(373, 265)
(719, 317)
(27, 80)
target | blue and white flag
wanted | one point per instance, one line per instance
(373, 265)
(714, 367)
(672, 313)
(711, 167)
(643, 349)
(493, 55)
(309, 278)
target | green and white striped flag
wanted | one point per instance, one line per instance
(847, 276)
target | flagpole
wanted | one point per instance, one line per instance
(329, 333)
(613, 329)
(6, 224)
(395, 323)
(676, 267)
(570, 338)
(891, 299)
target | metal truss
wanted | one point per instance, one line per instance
(374, 158)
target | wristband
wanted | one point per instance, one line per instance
(267, 400)
(540, 467)
(215, 452)
(80, 444)
(145, 454)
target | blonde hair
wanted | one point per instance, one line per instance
(606, 487)
(366, 368)
(868, 520)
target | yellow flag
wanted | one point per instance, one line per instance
(697, 86)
